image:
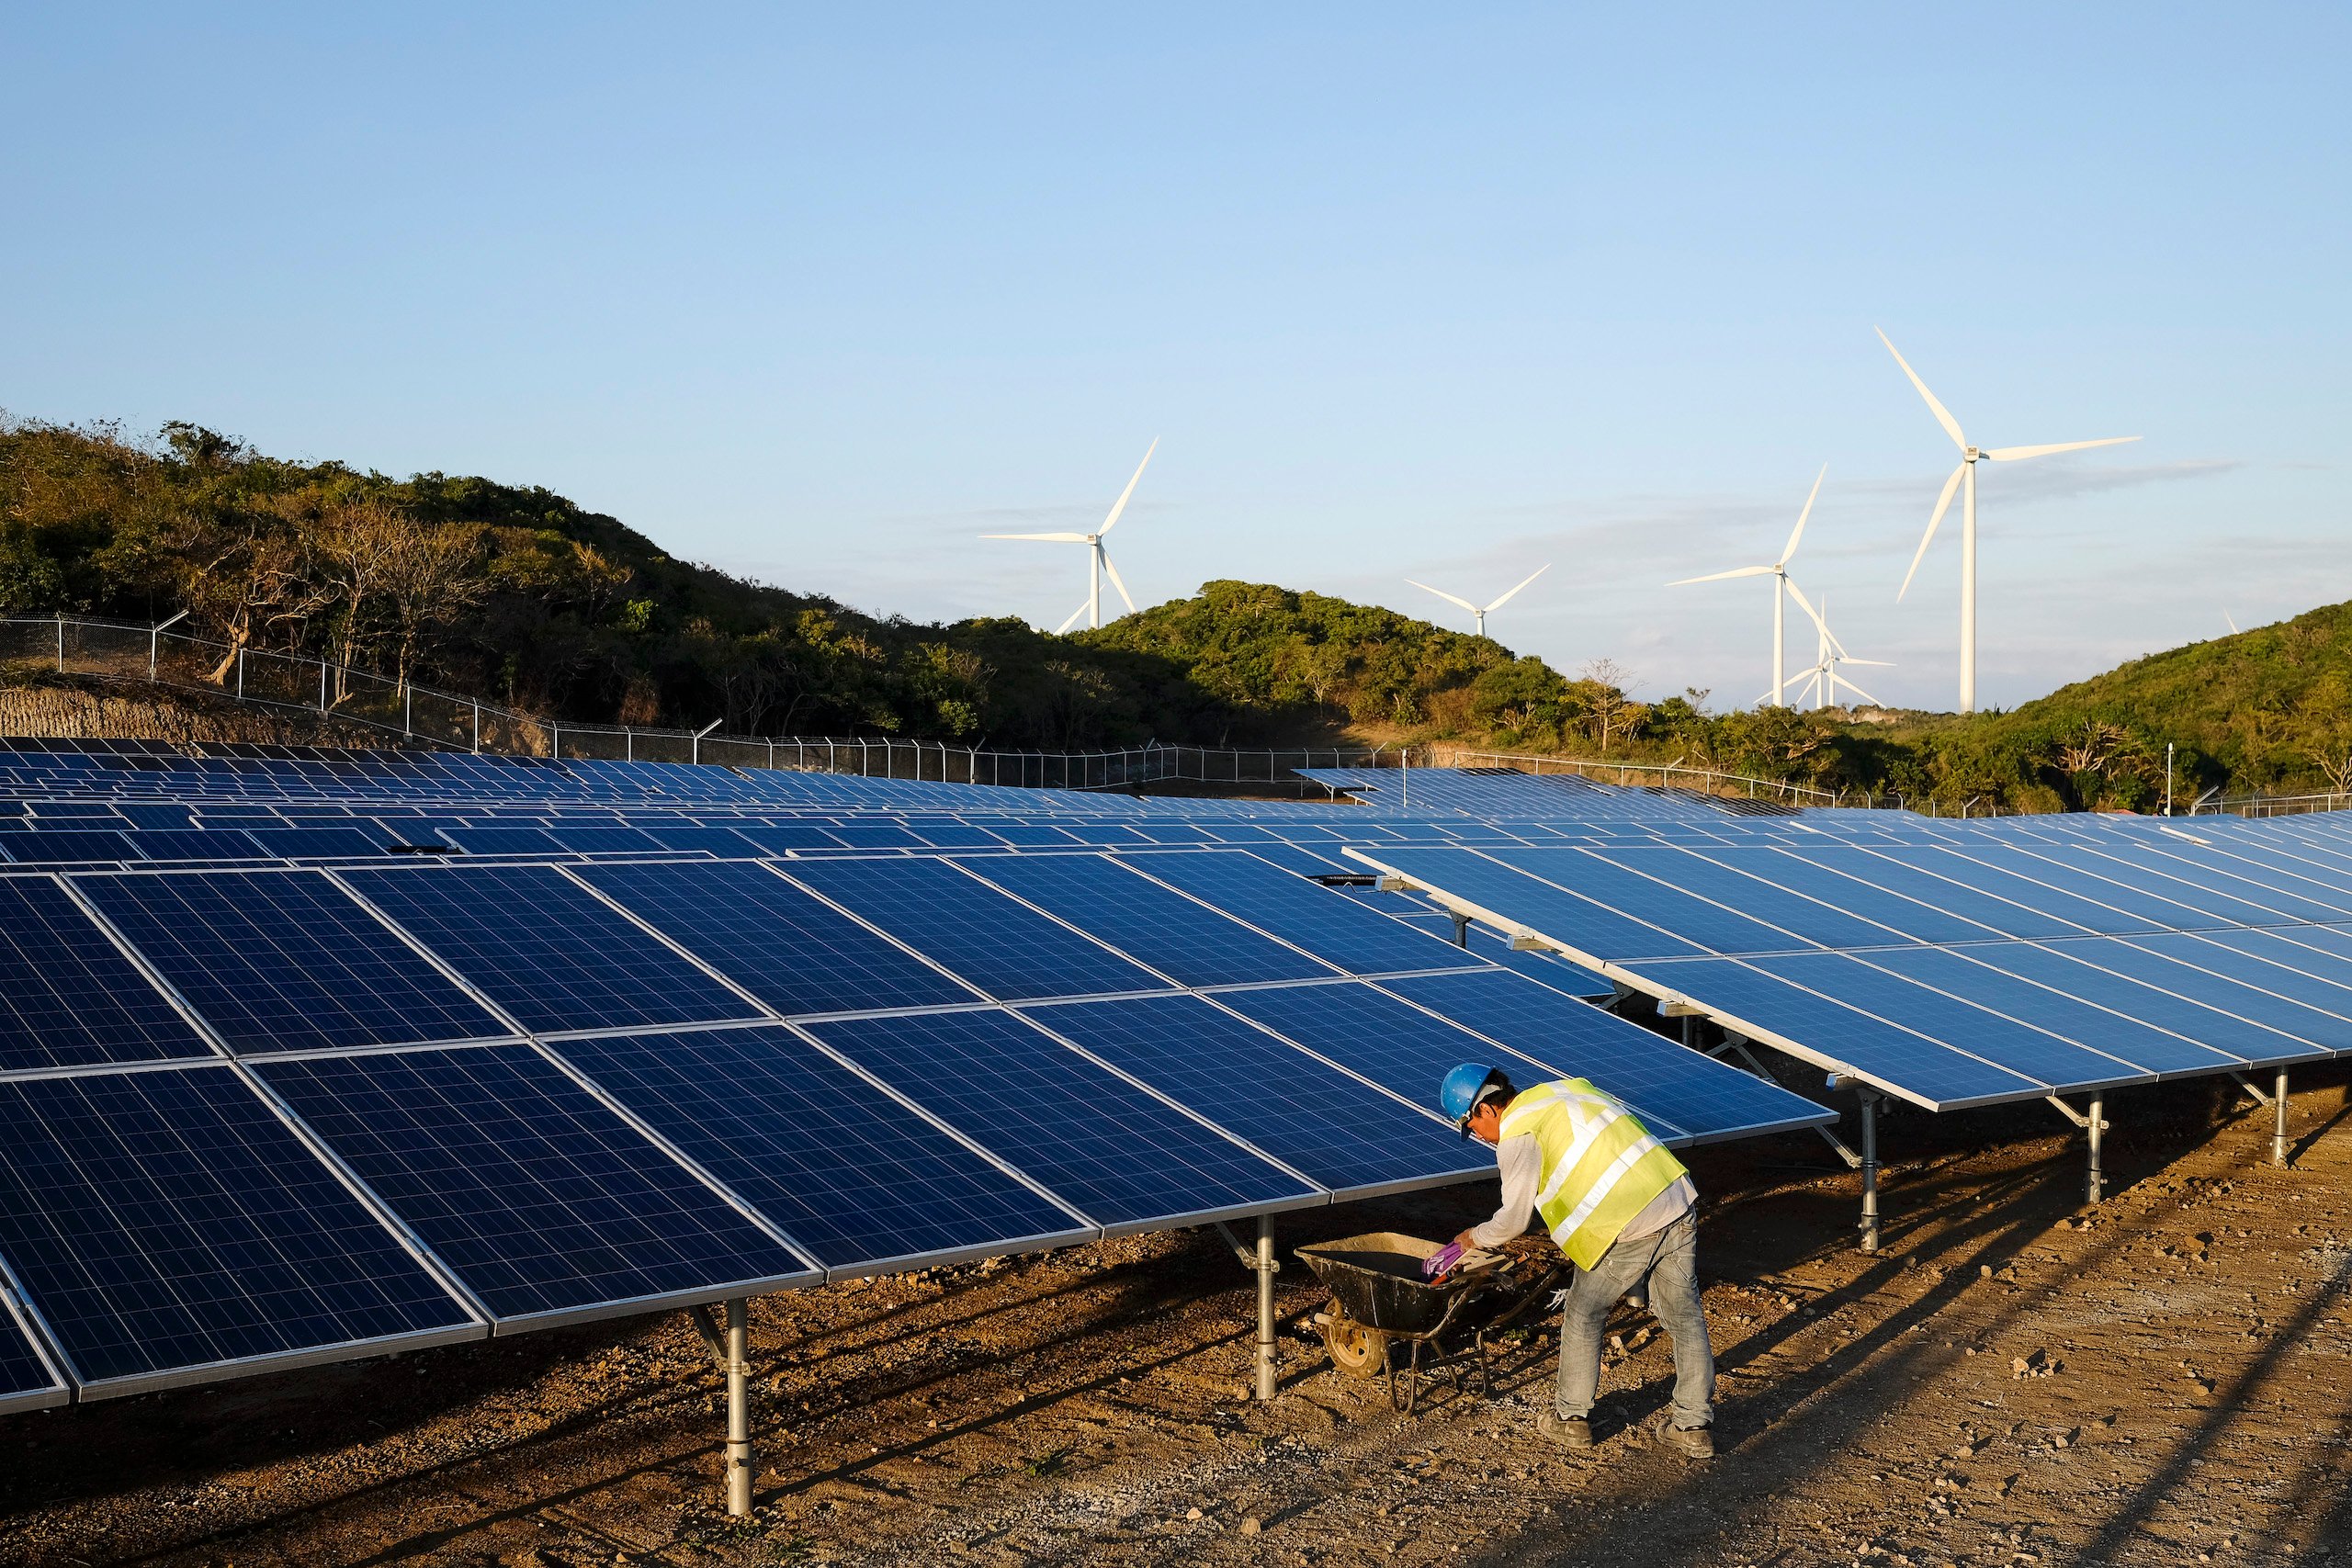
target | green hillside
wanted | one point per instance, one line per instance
(529, 599)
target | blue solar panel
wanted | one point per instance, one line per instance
(1333, 1129)
(166, 1221)
(774, 938)
(604, 839)
(1794, 919)
(319, 843)
(25, 1382)
(68, 847)
(955, 836)
(2272, 896)
(721, 841)
(1897, 1058)
(2051, 965)
(2143, 1040)
(1511, 896)
(1010, 952)
(1994, 913)
(285, 961)
(777, 838)
(546, 950)
(1119, 1155)
(503, 840)
(2159, 899)
(1396, 1045)
(540, 1199)
(68, 997)
(1194, 945)
(1789, 869)
(1330, 925)
(854, 1177)
(875, 836)
(188, 844)
(2047, 895)
(2324, 975)
(1696, 920)
(1676, 1086)
(2188, 976)
(1955, 1020)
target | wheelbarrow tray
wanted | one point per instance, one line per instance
(1376, 1279)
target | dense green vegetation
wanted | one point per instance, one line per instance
(524, 597)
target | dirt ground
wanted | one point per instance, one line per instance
(2005, 1383)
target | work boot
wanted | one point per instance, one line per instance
(1690, 1442)
(1572, 1432)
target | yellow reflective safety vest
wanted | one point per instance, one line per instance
(1601, 1165)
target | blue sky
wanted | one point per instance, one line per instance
(820, 294)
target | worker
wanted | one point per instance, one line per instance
(1624, 1210)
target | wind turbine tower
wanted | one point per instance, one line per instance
(1965, 475)
(1478, 613)
(1097, 559)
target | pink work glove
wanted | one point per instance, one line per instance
(1441, 1263)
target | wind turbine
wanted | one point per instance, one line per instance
(1966, 475)
(2233, 622)
(1830, 655)
(1097, 559)
(1781, 585)
(1476, 614)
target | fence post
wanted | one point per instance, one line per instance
(407, 709)
(555, 740)
(477, 702)
(60, 643)
(241, 675)
(323, 686)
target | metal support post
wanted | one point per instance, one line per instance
(61, 645)
(1870, 1170)
(477, 723)
(2094, 1183)
(1461, 929)
(739, 1409)
(1265, 1309)
(241, 675)
(408, 708)
(322, 685)
(2278, 1120)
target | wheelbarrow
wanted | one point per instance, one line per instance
(1385, 1318)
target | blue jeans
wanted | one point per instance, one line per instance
(1668, 1263)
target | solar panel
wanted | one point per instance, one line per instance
(26, 1380)
(2068, 967)
(1819, 1027)
(603, 839)
(1709, 1099)
(1008, 951)
(774, 938)
(285, 961)
(190, 844)
(2184, 976)
(1331, 1128)
(68, 997)
(1075, 1129)
(1994, 913)
(1191, 944)
(1513, 898)
(1794, 919)
(167, 1226)
(68, 847)
(2045, 894)
(777, 838)
(503, 840)
(2145, 1041)
(857, 1180)
(541, 1199)
(319, 843)
(546, 950)
(1955, 1020)
(1327, 924)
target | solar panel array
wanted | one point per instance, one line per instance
(258, 1112)
(2013, 962)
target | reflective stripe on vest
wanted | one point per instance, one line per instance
(1601, 1165)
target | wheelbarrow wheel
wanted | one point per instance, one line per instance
(1355, 1349)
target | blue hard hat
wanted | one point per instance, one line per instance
(1458, 1095)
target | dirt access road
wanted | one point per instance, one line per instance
(2003, 1384)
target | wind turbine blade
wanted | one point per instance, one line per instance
(1051, 538)
(1720, 576)
(1806, 606)
(1881, 663)
(2011, 454)
(1112, 522)
(1841, 681)
(1943, 415)
(1444, 595)
(1522, 583)
(1074, 616)
(1113, 572)
(1943, 504)
(2232, 621)
(1798, 533)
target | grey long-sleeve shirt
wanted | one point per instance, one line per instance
(1519, 1161)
